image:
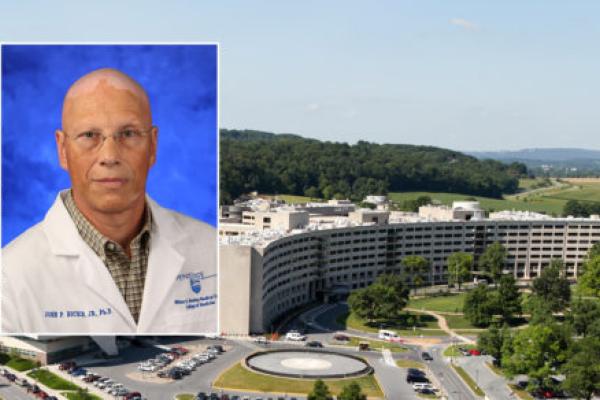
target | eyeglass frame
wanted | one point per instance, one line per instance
(114, 136)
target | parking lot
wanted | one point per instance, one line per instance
(126, 368)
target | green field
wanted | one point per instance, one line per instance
(377, 344)
(80, 396)
(458, 322)
(535, 203)
(238, 377)
(293, 199)
(550, 200)
(52, 380)
(450, 303)
(21, 364)
(405, 363)
(428, 322)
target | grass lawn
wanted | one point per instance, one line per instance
(293, 199)
(21, 364)
(82, 396)
(522, 394)
(459, 322)
(538, 203)
(405, 363)
(468, 380)
(405, 324)
(185, 396)
(238, 377)
(450, 303)
(377, 344)
(52, 380)
(452, 351)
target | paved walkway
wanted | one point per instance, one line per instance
(444, 325)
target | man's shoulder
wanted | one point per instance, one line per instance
(184, 224)
(193, 225)
(31, 244)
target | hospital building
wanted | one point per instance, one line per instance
(275, 258)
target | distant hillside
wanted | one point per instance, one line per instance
(554, 162)
(270, 163)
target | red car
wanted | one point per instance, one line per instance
(41, 394)
(474, 352)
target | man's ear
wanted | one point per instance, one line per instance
(153, 144)
(60, 148)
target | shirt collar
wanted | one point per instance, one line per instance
(99, 243)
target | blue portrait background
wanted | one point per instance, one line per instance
(181, 81)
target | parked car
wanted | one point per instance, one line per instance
(295, 336)
(314, 343)
(67, 365)
(474, 352)
(341, 337)
(216, 347)
(389, 336)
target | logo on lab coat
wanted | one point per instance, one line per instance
(195, 283)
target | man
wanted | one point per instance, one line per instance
(107, 258)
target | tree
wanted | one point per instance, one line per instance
(352, 392)
(320, 391)
(538, 351)
(480, 306)
(509, 298)
(584, 316)
(383, 300)
(582, 370)
(417, 268)
(540, 311)
(594, 251)
(459, 268)
(492, 260)
(553, 288)
(491, 342)
(589, 282)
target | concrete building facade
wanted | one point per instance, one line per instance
(262, 283)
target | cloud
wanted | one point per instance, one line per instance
(463, 23)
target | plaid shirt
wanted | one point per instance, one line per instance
(129, 274)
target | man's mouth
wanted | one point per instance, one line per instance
(111, 182)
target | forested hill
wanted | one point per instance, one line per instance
(290, 164)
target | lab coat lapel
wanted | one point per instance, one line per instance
(164, 265)
(65, 241)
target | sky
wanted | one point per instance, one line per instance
(465, 75)
(181, 82)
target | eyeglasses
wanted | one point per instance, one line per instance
(128, 138)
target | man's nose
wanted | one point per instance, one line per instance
(109, 152)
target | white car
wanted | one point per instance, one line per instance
(389, 336)
(295, 336)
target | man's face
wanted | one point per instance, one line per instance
(110, 178)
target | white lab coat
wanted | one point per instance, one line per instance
(52, 282)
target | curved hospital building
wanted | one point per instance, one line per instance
(276, 258)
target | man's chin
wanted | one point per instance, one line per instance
(114, 205)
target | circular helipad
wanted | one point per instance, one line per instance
(307, 364)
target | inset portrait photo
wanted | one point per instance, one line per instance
(109, 189)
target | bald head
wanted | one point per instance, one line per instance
(103, 89)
